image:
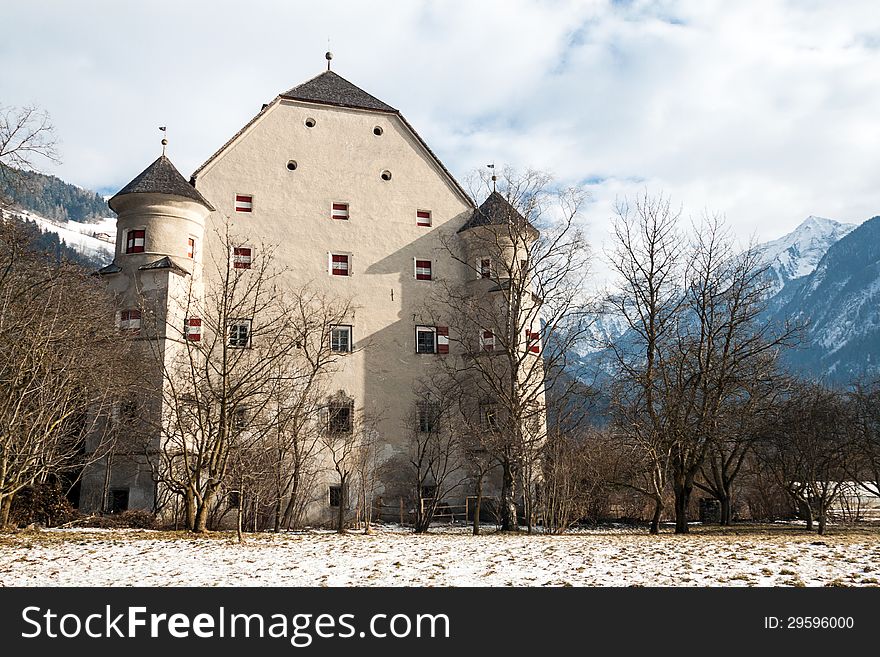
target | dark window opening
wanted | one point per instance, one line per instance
(335, 496)
(426, 340)
(427, 415)
(291, 166)
(118, 500)
(340, 418)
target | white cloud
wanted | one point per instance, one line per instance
(764, 110)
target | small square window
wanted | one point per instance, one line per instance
(423, 270)
(427, 416)
(426, 339)
(135, 241)
(190, 248)
(192, 329)
(423, 218)
(239, 333)
(340, 339)
(339, 211)
(340, 421)
(244, 203)
(129, 320)
(242, 257)
(485, 268)
(340, 264)
(334, 497)
(129, 411)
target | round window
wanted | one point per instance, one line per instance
(310, 122)
(386, 175)
(377, 131)
(291, 166)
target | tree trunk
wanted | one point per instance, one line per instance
(276, 525)
(5, 508)
(726, 519)
(823, 519)
(368, 515)
(682, 501)
(340, 513)
(189, 519)
(239, 512)
(509, 520)
(479, 501)
(807, 510)
(200, 525)
(655, 520)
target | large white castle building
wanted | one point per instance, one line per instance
(353, 204)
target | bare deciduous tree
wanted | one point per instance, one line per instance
(62, 361)
(220, 391)
(697, 343)
(808, 451)
(517, 321)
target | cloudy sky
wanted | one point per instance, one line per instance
(764, 110)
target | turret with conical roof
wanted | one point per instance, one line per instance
(161, 217)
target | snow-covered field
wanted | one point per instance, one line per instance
(392, 557)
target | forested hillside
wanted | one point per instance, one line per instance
(51, 197)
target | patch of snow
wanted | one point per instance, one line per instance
(95, 239)
(394, 557)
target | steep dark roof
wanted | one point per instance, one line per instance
(333, 89)
(161, 177)
(495, 211)
(164, 263)
(112, 268)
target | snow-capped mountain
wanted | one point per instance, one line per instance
(840, 303)
(797, 254)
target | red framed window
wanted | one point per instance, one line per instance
(533, 341)
(485, 268)
(340, 264)
(193, 329)
(339, 211)
(423, 217)
(487, 340)
(242, 257)
(130, 320)
(244, 203)
(135, 241)
(190, 248)
(423, 270)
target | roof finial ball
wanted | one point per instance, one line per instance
(328, 56)
(164, 138)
